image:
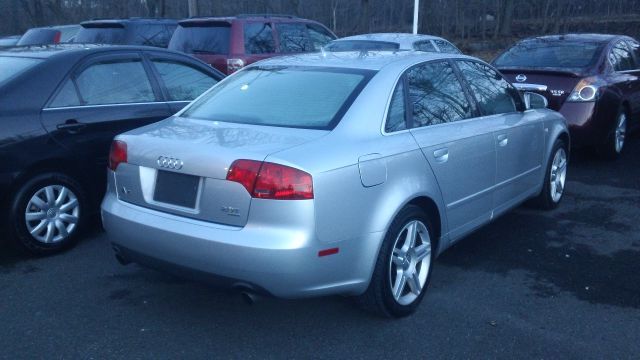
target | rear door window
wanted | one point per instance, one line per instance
(621, 58)
(67, 96)
(493, 93)
(318, 36)
(396, 116)
(436, 95)
(202, 38)
(258, 38)
(293, 38)
(635, 49)
(183, 82)
(115, 82)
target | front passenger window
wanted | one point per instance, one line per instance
(621, 58)
(115, 82)
(436, 95)
(493, 93)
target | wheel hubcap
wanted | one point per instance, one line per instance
(621, 132)
(558, 174)
(52, 214)
(410, 262)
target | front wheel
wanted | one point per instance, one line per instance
(403, 267)
(555, 178)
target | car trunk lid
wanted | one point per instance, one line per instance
(555, 85)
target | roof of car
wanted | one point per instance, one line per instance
(405, 40)
(273, 17)
(129, 20)
(367, 60)
(575, 37)
(47, 51)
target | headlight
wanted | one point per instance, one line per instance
(586, 90)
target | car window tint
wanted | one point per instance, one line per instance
(183, 82)
(153, 34)
(436, 95)
(424, 46)
(493, 93)
(621, 58)
(635, 49)
(446, 47)
(318, 36)
(293, 38)
(68, 96)
(205, 38)
(115, 83)
(258, 38)
(396, 118)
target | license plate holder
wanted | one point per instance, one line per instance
(176, 189)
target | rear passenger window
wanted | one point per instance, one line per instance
(117, 82)
(68, 96)
(621, 58)
(396, 118)
(293, 38)
(436, 95)
(635, 49)
(258, 38)
(424, 46)
(318, 36)
(183, 82)
(446, 47)
(493, 93)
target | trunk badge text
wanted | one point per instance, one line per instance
(230, 210)
(557, 92)
(170, 163)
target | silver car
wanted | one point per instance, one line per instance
(335, 173)
(393, 41)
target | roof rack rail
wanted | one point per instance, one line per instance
(267, 15)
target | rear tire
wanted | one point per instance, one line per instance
(47, 214)
(555, 178)
(614, 145)
(403, 269)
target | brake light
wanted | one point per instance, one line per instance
(265, 180)
(57, 37)
(117, 154)
(234, 65)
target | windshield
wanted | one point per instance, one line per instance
(101, 35)
(300, 97)
(361, 45)
(11, 67)
(565, 55)
(207, 38)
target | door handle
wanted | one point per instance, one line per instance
(71, 126)
(503, 140)
(441, 155)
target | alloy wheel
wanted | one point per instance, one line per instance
(410, 262)
(52, 214)
(621, 132)
(558, 174)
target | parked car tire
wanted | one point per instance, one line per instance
(613, 146)
(403, 268)
(47, 214)
(555, 178)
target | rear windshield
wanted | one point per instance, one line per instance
(206, 38)
(299, 97)
(11, 67)
(40, 37)
(361, 45)
(101, 35)
(564, 55)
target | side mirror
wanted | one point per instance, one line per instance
(535, 101)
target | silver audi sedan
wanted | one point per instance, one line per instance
(335, 173)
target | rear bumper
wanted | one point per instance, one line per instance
(282, 262)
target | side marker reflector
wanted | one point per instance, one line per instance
(328, 252)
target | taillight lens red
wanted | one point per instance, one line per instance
(265, 180)
(118, 154)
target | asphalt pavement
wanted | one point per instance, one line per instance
(534, 285)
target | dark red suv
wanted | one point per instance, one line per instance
(592, 79)
(230, 43)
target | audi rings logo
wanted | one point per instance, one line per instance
(170, 163)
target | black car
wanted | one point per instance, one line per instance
(60, 107)
(134, 31)
(49, 35)
(592, 79)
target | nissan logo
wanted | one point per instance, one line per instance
(521, 78)
(170, 163)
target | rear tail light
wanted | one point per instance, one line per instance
(234, 65)
(265, 180)
(118, 154)
(586, 90)
(57, 37)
